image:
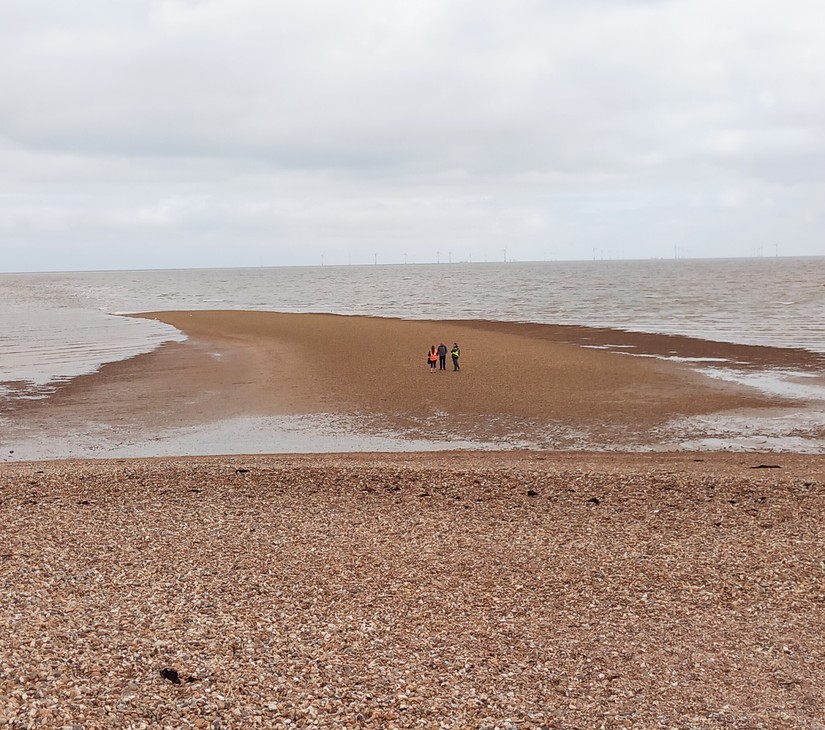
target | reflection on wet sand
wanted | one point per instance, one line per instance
(260, 382)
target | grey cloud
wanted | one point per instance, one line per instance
(330, 122)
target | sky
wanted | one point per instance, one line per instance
(210, 133)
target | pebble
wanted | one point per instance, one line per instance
(294, 598)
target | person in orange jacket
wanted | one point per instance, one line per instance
(432, 358)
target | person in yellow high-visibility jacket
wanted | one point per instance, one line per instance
(455, 353)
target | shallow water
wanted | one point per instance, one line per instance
(249, 435)
(54, 326)
(57, 326)
(797, 431)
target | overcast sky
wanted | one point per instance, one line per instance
(193, 133)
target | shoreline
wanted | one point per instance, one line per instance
(359, 383)
(669, 346)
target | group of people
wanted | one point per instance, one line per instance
(439, 355)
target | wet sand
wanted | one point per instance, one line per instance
(540, 385)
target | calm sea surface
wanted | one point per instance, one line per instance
(56, 326)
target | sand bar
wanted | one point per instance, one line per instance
(528, 383)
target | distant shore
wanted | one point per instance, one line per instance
(520, 384)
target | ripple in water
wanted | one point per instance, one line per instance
(57, 325)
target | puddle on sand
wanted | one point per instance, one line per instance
(792, 429)
(800, 430)
(249, 435)
(789, 430)
(795, 384)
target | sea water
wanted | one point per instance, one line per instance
(59, 325)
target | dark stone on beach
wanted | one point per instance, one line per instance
(766, 466)
(242, 471)
(170, 674)
(594, 501)
(532, 493)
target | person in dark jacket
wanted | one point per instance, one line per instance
(442, 356)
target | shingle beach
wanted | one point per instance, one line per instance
(458, 590)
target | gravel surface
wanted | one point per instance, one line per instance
(410, 591)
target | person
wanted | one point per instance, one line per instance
(432, 358)
(442, 356)
(456, 353)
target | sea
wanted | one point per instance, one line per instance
(55, 326)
